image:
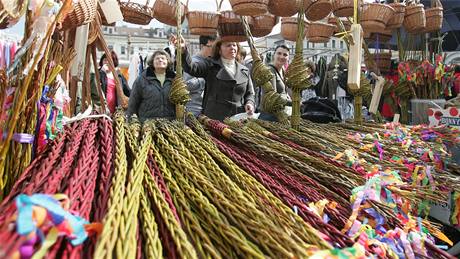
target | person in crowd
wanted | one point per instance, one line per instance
(196, 85)
(108, 81)
(228, 88)
(310, 92)
(150, 94)
(280, 59)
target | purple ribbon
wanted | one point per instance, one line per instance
(22, 138)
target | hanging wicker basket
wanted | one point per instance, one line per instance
(289, 28)
(12, 12)
(383, 36)
(332, 20)
(397, 19)
(320, 32)
(375, 16)
(84, 11)
(230, 27)
(434, 17)
(250, 8)
(317, 9)
(383, 61)
(136, 13)
(263, 25)
(414, 19)
(203, 23)
(343, 8)
(165, 11)
(283, 8)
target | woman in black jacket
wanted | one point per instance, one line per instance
(228, 89)
(150, 94)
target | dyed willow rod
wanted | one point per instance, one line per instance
(127, 241)
(226, 238)
(324, 173)
(251, 221)
(278, 212)
(183, 246)
(149, 229)
(108, 238)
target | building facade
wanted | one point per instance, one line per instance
(128, 41)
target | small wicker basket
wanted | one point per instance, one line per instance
(289, 28)
(83, 12)
(375, 16)
(383, 36)
(397, 19)
(12, 12)
(320, 32)
(136, 13)
(317, 9)
(332, 20)
(203, 23)
(343, 8)
(165, 11)
(250, 8)
(283, 8)
(263, 25)
(230, 27)
(434, 17)
(383, 61)
(414, 19)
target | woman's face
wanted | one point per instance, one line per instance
(228, 50)
(281, 57)
(160, 62)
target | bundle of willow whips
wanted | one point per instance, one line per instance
(252, 190)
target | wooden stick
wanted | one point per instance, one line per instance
(98, 79)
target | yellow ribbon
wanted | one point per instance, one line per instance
(49, 242)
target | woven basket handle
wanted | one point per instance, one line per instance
(219, 5)
(436, 3)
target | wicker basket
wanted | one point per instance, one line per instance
(263, 25)
(289, 28)
(165, 11)
(397, 19)
(249, 7)
(230, 27)
(317, 9)
(203, 23)
(320, 32)
(283, 8)
(434, 17)
(136, 13)
(383, 61)
(414, 19)
(83, 12)
(331, 20)
(374, 16)
(343, 8)
(383, 36)
(13, 12)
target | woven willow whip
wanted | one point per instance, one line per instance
(179, 95)
(127, 242)
(296, 74)
(272, 102)
(110, 232)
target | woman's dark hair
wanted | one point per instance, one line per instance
(216, 49)
(157, 53)
(283, 47)
(114, 58)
